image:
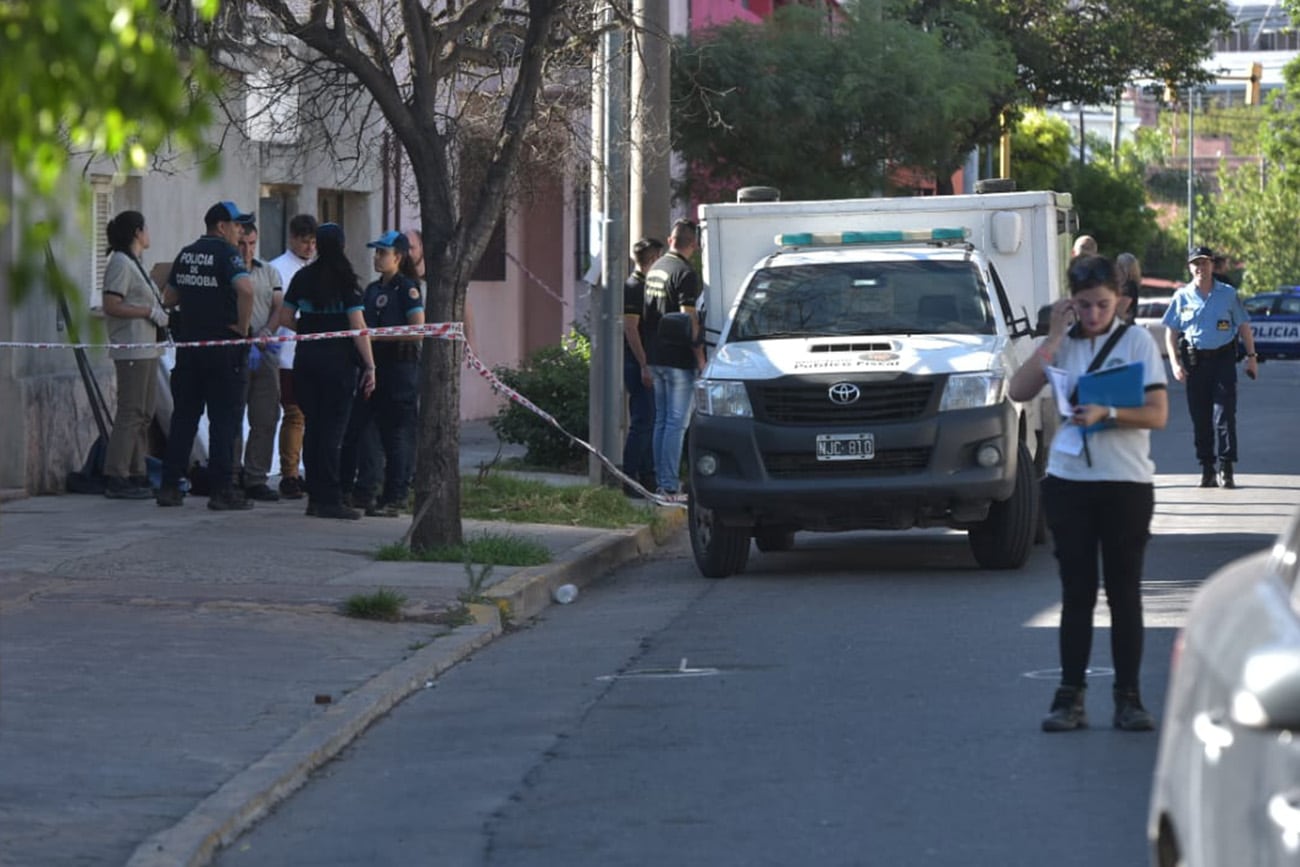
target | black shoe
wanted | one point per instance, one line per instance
(1208, 479)
(261, 493)
(360, 500)
(116, 488)
(1225, 475)
(143, 482)
(169, 496)
(311, 509)
(1067, 712)
(291, 488)
(337, 510)
(1130, 715)
(228, 501)
(383, 510)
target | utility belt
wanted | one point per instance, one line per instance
(1191, 356)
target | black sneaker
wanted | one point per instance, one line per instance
(116, 488)
(337, 510)
(1208, 478)
(143, 482)
(1225, 475)
(1067, 712)
(1130, 715)
(169, 497)
(262, 494)
(291, 488)
(228, 501)
(360, 500)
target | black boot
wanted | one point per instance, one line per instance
(1225, 475)
(1067, 712)
(1208, 479)
(1130, 715)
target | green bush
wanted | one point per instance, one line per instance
(557, 380)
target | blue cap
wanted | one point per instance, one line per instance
(225, 212)
(392, 240)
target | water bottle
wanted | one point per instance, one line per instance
(565, 593)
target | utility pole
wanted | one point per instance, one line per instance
(1191, 174)
(607, 328)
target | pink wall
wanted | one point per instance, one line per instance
(710, 13)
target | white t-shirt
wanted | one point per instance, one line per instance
(288, 264)
(1120, 454)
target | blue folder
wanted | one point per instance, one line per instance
(1115, 386)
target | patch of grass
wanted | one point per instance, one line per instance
(492, 548)
(383, 604)
(502, 497)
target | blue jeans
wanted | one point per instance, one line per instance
(673, 387)
(638, 451)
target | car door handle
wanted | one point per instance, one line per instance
(1210, 731)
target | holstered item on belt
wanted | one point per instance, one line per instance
(1186, 355)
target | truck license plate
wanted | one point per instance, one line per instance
(846, 447)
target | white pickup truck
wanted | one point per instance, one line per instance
(859, 378)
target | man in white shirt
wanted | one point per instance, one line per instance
(302, 249)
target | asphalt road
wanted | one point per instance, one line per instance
(865, 699)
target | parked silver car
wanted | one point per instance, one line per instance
(1227, 784)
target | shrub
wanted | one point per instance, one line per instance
(557, 379)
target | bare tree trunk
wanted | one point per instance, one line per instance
(437, 463)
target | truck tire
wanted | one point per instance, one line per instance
(769, 539)
(1003, 539)
(720, 551)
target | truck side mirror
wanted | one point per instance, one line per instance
(1044, 321)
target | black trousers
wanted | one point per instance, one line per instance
(1112, 519)
(1212, 402)
(212, 378)
(324, 380)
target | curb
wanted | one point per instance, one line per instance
(244, 799)
(526, 593)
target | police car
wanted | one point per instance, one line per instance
(1275, 320)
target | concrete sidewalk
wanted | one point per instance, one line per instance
(166, 675)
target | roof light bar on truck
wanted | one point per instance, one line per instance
(892, 236)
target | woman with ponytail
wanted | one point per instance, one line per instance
(134, 314)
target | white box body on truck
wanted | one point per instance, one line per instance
(859, 376)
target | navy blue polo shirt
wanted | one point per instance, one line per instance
(204, 275)
(392, 303)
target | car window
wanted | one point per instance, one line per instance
(910, 296)
(1289, 307)
(1152, 310)
(1259, 304)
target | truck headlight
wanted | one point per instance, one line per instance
(973, 390)
(725, 397)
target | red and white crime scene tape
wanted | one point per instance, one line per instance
(440, 330)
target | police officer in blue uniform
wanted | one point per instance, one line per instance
(210, 283)
(1204, 321)
(394, 299)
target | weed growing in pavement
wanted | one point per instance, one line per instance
(383, 604)
(502, 497)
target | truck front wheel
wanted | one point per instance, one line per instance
(719, 550)
(1003, 539)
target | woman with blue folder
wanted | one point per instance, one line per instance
(1098, 494)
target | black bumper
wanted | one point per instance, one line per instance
(924, 472)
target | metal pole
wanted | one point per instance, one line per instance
(1191, 176)
(607, 351)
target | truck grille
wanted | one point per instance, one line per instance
(782, 465)
(809, 403)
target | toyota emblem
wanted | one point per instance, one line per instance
(844, 393)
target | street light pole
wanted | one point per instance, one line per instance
(1191, 177)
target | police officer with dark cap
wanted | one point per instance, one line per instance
(210, 283)
(1204, 321)
(392, 300)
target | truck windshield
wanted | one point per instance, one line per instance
(854, 298)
